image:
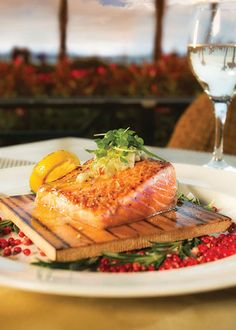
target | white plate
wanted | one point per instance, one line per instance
(209, 185)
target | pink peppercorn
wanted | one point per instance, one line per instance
(27, 241)
(7, 230)
(3, 243)
(202, 248)
(190, 261)
(7, 252)
(27, 252)
(11, 241)
(210, 249)
(136, 266)
(17, 241)
(151, 267)
(17, 249)
(206, 239)
(21, 234)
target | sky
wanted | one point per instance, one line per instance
(96, 27)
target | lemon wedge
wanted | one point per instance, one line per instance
(52, 167)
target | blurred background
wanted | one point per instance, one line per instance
(78, 67)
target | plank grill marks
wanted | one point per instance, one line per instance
(162, 222)
(181, 219)
(144, 228)
(70, 240)
(21, 213)
(66, 232)
(94, 234)
(67, 236)
(123, 231)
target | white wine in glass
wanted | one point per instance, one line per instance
(212, 57)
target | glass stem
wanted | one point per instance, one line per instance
(220, 110)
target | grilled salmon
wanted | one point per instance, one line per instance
(129, 195)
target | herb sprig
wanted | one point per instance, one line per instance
(121, 140)
(153, 255)
(156, 254)
(84, 264)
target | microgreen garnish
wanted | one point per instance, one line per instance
(124, 141)
(195, 200)
(192, 199)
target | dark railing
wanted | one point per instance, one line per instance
(146, 102)
(98, 107)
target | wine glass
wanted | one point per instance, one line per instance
(211, 54)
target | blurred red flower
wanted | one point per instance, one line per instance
(101, 70)
(78, 73)
(170, 76)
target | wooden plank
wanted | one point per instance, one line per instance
(27, 199)
(162, 222)
(58, 225)
(196, 212)
(64, 239)
(95, 234)
(182, 220)
(124, 231)
(141, 241)
(144, 228)
(26, 220)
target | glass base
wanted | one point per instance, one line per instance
(220, 165)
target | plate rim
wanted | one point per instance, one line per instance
(43, 281)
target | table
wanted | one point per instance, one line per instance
(24, 310)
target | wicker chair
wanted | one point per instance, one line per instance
(195, 128)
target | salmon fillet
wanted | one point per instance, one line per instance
(129, 195)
